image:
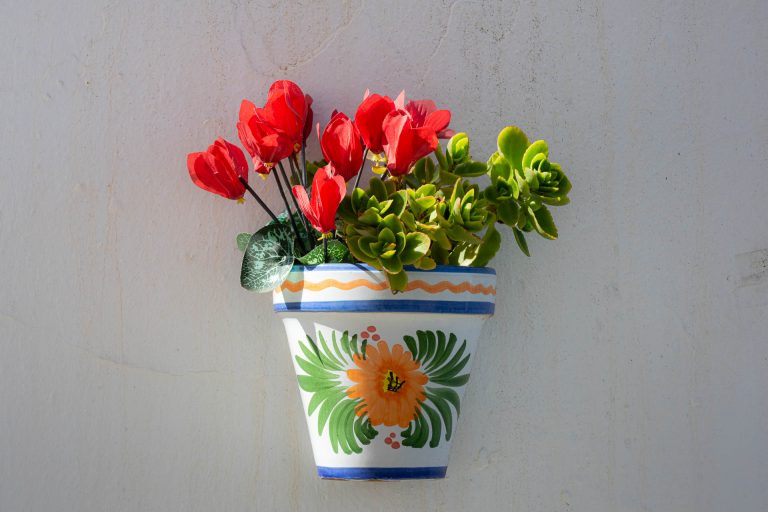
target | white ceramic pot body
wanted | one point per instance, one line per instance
(382, 375)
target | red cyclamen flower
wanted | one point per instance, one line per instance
(369, 117)
(276, 131)
(287, 110)
(328, 189)
(425, 114)
(342, 147)
(219, 169)
(265, 143)
(405, 143)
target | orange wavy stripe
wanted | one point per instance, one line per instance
(412, 285)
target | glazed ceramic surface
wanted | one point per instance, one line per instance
(382, 375)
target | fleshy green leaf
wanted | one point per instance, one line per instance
(397, 282)
(470, 169)
(542, 222)
(520, 239)
(512, 144)
(538, 147)
(268, 258)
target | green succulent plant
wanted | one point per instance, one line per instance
(523, 181)
(387, 246)
(437, 216)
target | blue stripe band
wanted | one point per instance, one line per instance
(381, 473)
(361, 267)
(392, 306)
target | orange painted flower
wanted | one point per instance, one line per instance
(390, 385)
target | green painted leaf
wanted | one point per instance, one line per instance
(418, 432)
(454, 382)
(445, 412)
(337, 253)
(439, 350)
(328, 354)
(422, 335)
(446, 353)
(449, 395)
(435, 425)
(454, 360)
(311, 384)
(453, 371)
(314, 371)
(268, 258)
(335, 393)
(411, 344)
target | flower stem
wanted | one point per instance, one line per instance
(294, 174)
(304, 162)
(295, 203)
(325, 249)
(290, 213)
(362, 166)
(258, 199)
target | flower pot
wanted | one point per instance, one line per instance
(382, 375)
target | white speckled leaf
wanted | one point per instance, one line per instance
(268, 258)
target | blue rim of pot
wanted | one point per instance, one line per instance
(363, 267)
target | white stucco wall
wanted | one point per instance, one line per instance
(627, 365)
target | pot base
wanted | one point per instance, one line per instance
(426, 473)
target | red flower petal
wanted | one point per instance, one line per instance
(369, 117)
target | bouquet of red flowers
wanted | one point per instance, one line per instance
(417, 210)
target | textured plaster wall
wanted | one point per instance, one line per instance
(627, 365)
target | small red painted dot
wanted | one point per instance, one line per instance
(371, 328)
(395, 445)
(375, 337)
(364, 334)
(388, 440)
(392, 434)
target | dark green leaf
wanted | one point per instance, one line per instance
(470, 169)
(268, 258)
(542, 222)
(520, 239)
(337, 253)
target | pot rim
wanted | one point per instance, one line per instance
(357, 287)
(364, 267)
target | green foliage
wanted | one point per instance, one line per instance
(324, 365)
(523, 181)
(337, 253)
(268, 258)
(434, 215)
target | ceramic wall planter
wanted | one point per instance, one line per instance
(381, 375)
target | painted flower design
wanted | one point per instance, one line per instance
(389, 383)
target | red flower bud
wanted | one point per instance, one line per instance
(328, 189)
(219, 169)
(342, 147)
